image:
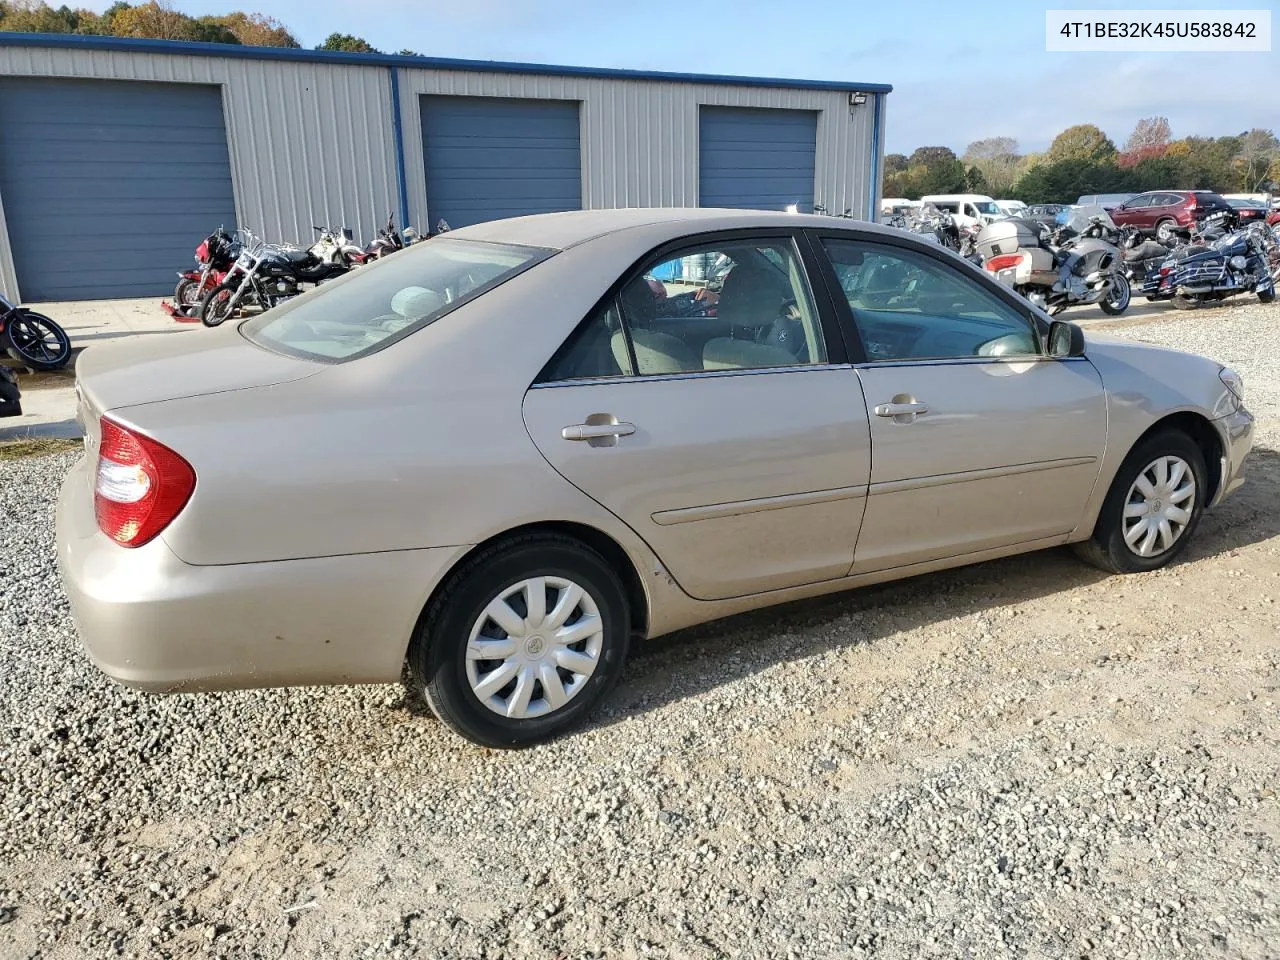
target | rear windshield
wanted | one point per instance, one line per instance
(378, 304)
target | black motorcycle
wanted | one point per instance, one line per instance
(263, 275)
(10, 395)
(1239, 262)
(32, 338)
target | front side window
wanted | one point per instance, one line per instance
(986, 207)
(732, 305)
(378, 304)
(910, 306)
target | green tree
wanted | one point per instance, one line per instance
(895, 162)
(1067, 180)
(1084, 142)
(1258, 150)
(931, 156)
(345, 43)
(996, 158)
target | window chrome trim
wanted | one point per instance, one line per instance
(691, 374)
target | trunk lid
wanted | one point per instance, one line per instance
(177, 365)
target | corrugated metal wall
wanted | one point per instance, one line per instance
(313, 143)
(640, 137)
(310, 143)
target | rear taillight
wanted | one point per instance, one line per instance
(1191, 201)
(1003, 262)
(141, 485)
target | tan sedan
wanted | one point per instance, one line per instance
(505, 453)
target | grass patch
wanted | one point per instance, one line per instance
(37, 447)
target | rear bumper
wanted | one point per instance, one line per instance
(1236, 432)
(151, 621)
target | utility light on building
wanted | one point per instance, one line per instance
(857, 99)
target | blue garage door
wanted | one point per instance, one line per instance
(756, 159)
(109, 185)
(488, 158)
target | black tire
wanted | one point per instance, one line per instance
(1107, 549)
(214, 308)
(186, 295)
(1267, 296)
(437, 653)
(1118, 299)
(36, 341)
(1170, 228)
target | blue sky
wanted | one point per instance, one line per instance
(961, 69)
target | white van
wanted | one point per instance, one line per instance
(1012, 208)
(966, 208)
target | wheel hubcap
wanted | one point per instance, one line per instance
(534, 647)
(1159, 507)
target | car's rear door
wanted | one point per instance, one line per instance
(709, 404)
(979, 440)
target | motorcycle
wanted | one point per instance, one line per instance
(389, 239)
(1077, 264)
(266, 275)
(31, 338)
(937, 226)
(214, 257)
(10, 394)
(1241, 262)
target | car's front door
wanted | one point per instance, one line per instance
(979, 440)
(710, 408)
(1132, 212)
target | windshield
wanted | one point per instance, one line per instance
(381, 303)
(987, 206)
(1115, 198)
(1251, 204)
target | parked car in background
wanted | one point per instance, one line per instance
(967, 209)
(1045, 213)
(1107, 201)
(1012, 208)
(1165, 213)
(1248, 210)
(398, 469)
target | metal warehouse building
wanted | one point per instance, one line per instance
(118, 156)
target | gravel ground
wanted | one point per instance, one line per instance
(1019, 759)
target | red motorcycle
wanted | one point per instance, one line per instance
(215, 257)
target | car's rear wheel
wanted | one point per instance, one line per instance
(526, 637)
(1152, 508)
(1166, 231)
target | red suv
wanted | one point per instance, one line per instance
(1162, 212)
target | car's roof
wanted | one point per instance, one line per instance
(558, 231)
(955, 196)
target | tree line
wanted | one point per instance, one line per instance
(158, 20)
(1083, 160)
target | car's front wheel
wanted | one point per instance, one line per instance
(1152, 508)
(525, 638)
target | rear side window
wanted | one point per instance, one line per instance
(388, 300)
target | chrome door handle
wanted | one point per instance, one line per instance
(901, 409)
(600, 430)
(590, 431)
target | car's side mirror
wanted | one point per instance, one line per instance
(1065, 339)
